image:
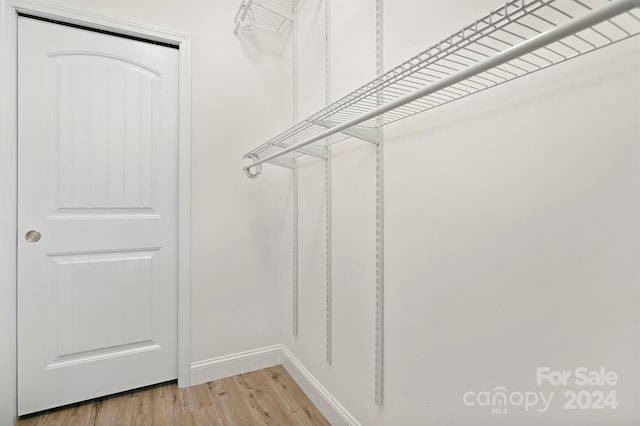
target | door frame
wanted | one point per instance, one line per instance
(9, 10)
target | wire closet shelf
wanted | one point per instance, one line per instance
(272, 15)
(517, 39)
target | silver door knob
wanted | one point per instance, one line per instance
(33, 236)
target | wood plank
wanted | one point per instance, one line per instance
(263, 397)
(289, 394)
(167, 405)
(271, 407)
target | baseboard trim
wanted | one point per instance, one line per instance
(234, 364)
(245, 362)
(335, 413)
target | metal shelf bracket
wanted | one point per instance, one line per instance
(368, 134)
(314, 151)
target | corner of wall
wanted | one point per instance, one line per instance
(231, 365)
(256, 359)
(329, 406)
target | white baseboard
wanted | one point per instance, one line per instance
(245, 362)
(232, 365)
(335, 413)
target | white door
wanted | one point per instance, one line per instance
(97, 180)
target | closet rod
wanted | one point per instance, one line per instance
(594, 17)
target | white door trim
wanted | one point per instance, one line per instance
(8, 179)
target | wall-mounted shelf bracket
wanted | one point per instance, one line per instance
(365, 133)
(314, 151)
(287, 163)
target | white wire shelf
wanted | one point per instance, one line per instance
(517, 39)
(272, 15)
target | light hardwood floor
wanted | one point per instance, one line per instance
(264, 397)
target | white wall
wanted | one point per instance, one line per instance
(512, 229)
(237, 90)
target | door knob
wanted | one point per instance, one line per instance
(33, 236)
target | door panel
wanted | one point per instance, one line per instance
(106, 124)
(97, 177)
(87, 290)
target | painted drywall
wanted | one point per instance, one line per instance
(237, 90)
(512, 229)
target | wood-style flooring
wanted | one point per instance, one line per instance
(264, 397)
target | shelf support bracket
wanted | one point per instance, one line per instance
(314, 151)
(367, 134)
(282, 162)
